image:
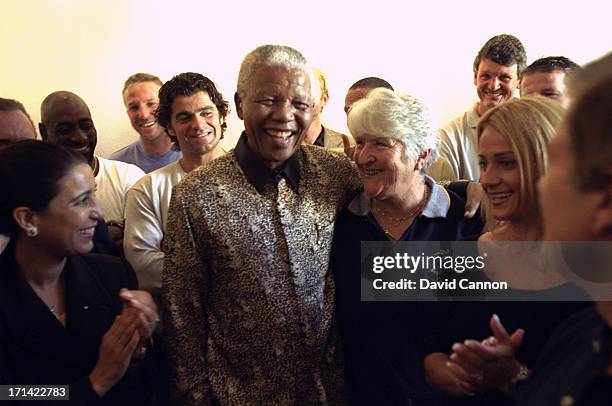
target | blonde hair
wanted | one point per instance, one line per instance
(528, 124)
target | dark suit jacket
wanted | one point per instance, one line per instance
(36, 349)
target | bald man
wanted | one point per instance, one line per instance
(66, 120)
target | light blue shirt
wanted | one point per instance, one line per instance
(136, 155)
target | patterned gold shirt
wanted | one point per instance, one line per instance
(248, 297)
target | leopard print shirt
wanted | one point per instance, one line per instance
(248, 298)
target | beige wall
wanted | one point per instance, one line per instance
(90, 47)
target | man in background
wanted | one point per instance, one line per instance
(497, 68)
(193, 112)
(362, 88)
(66, 120)
(318, 134)
(15, 125)
(153, 149)
(547, 77)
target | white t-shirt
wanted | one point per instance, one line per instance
(113, 181)
(146, 213)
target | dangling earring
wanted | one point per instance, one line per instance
(32, 231)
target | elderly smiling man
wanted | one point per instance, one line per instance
(247, 296)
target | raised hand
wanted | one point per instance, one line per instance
(116, 349)
(489, 363)
(142, 302)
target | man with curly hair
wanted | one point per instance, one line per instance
(193, 113)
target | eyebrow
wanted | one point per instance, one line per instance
(80, 195)
(499, 154)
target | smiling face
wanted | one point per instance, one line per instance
(141, 101)
(500, 175)
(547, 84)
(495, 84)
(68, 122)
(196, 123)
(276, 109)
(66, 226)
(383, 169)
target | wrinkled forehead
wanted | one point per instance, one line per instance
(281, 78)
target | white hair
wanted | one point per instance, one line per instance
(388, 114)
(270, 55)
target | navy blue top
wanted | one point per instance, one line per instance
(385, 343)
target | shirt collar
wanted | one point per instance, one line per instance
(437, 205)
(258, 174)
(473, 117)
(320, 141)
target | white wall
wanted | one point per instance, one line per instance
(91, 47)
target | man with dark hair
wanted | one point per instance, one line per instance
(497, 68)
(153, 149)
(361, 88)
(546, 77)
(193, 112)
(15, 123)
(66, 120)
(318, 134)
(247, 295)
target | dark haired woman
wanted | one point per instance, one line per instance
(66, 318)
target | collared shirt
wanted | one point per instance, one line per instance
(459, 144)
(436, 222)
(385, 342)
(329, 138)
(248, 299)
(258, 174)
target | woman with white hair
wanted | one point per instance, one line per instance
(383, 350)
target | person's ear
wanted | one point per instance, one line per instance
(238, 102)
(25, 218)
(422, 159)
(324, 100)
(602, 224)
(43, 132)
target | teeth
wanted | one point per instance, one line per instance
(203, 134)
(499, 197)
(370, 172)
(279, 134)
(87, 231)
(149, 124)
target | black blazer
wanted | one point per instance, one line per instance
(36, 349)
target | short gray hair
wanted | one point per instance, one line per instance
(270, 55)
(390, 114)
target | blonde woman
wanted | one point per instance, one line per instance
(513, 156)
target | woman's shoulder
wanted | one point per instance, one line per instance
(112, 271)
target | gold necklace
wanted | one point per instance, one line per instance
(398, 220)
(412, 212)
